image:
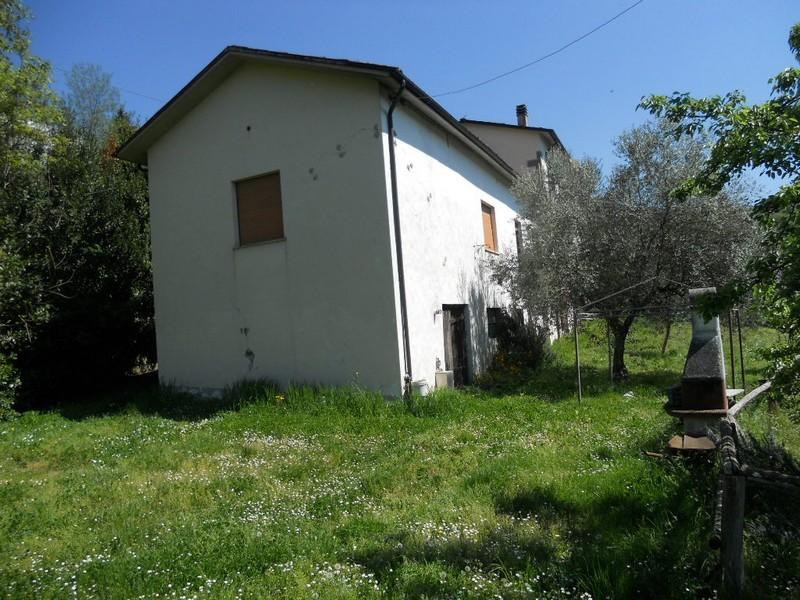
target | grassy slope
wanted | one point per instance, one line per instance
(337, 494)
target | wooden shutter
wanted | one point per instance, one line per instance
(489, 231)
(259, 209)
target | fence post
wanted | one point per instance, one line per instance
(577, 355)
(733, 534)
(741, 351)
(610, 355)
(730, 339)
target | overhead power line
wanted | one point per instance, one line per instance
(469, 87)
(541, 58)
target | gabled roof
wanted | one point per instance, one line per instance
(135, 148)
(546, 130)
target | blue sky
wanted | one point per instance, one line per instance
(588, 93)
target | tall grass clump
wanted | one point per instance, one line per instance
(352, 400)
(309, 399)
(440, 403)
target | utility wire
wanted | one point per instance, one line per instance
(541, 58)
(470, 87)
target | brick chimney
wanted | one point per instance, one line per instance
(522, 115)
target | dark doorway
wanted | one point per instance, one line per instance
(455, 342)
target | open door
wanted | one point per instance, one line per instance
(455, 342)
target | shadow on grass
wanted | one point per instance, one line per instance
(772, 523)
(146, 397)
(142, 394)
(507, 546)
(611, 543)
(556, 383)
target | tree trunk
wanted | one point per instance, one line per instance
(620, 329)
(666, 337)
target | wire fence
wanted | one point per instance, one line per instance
(650, 321)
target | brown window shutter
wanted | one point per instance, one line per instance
(489, 231)
(259, 209)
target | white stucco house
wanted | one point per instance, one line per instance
(322, 221)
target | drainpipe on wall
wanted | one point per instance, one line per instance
(401, 279)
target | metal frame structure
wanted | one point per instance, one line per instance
(578, 314)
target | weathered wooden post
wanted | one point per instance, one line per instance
(733, 495)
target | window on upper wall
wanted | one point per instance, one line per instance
(489, 227)
(259, 210)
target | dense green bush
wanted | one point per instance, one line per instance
(521, 349)
(75, 288)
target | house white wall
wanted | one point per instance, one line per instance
(318, 306)
(441, 184)
(516, 146)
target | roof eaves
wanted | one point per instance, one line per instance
(551, 132)
(131, 151)
(131, 141)
(419, 93)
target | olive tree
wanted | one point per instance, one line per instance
(587, 237)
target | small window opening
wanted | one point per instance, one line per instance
(489, 227)
(259, 209)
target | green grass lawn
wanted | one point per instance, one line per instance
(338, 494)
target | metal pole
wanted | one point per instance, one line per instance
(741, 351)
(733, 358)
(577, 354)
(610, 359)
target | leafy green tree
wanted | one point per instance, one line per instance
(75, 292)
(89, 242)
(765, 138)
(587, 238)
(29, 120)
(91, 102)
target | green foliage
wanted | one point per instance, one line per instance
(9, 382)
(78, 295)
(623, 245)
(28, 108)
(521, 350)
(29, 120)
(91, 102)
(75, 291)
(766, 138)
